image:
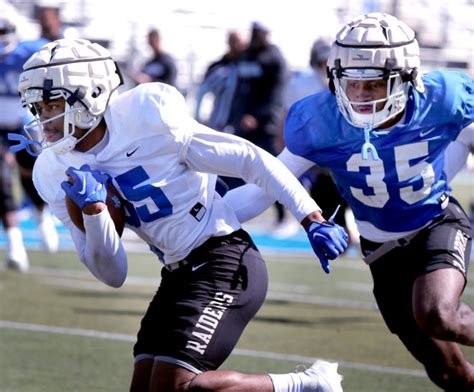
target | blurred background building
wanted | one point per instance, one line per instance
(195, 32)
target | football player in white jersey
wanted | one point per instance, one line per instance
(383, 132)
(160, 159)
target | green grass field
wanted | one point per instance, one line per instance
(61, 330)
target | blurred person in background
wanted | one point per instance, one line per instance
(220, 81)
(310, 80)
(13, 53)
(236, 47)
(161, 67)
(257, 103)
(49, 18)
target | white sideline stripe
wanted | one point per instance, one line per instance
(277, 290)
(354, 286)
(271, 295)
(243, 352)
(66, 331)
(318, 300)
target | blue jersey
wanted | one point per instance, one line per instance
(12, 115)
(404, 190)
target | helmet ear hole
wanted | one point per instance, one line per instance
(96, 92)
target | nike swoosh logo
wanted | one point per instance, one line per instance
(426, 132)
(83, 190)
(129, 154)
(197, 266)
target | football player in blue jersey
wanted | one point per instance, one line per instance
(383, 132)
(164, 164)
(13, 53)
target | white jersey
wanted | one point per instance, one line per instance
(159, 159)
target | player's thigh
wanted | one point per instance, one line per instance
(393, 290)
(142, 375)
(447, 243)
(445, 250)
(436, 296)
(197, 315)
(151, 375)
(393, 280)
(169, 377)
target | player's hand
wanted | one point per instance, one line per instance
(85, 186)
(328, 241)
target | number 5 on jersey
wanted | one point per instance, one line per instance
(129, 183)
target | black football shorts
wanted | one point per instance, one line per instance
(201, 309)
(445, 243)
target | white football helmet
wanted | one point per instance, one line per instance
(80, 72)
(371, 47)
(8, 37)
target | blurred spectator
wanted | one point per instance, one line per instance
(258, 100)
(309, 81)
(237, 45)
(220, 81)
(12, 118)
(258, 97)
(49, 18)
(160, 68)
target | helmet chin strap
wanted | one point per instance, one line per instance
(68, 143)
(64, 145)
(368, 147)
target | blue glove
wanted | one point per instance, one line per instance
(328, 241)
(88, 186)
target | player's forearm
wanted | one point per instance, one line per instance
(250, 200)
(272, 182)
(102, 251)
(278, 182)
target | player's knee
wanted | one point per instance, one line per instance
(437, 321)
(451, 378)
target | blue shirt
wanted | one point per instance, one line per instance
(403, 190)
(12, 115)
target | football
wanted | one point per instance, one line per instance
(115, 205)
